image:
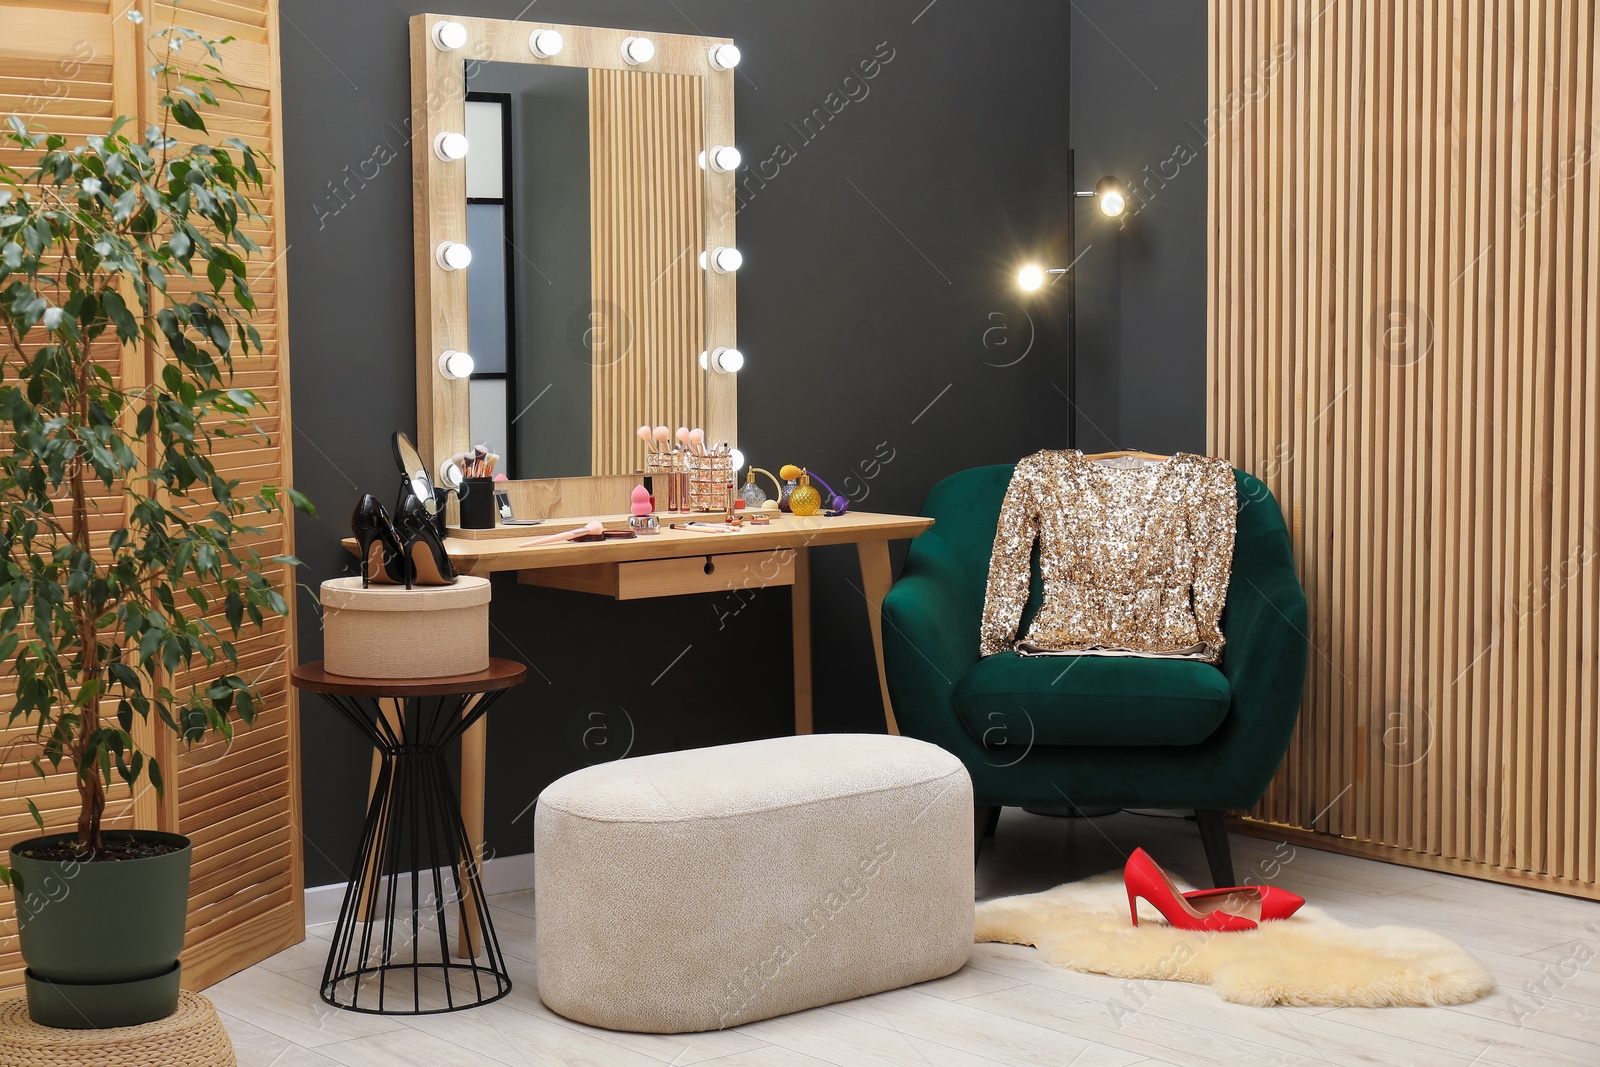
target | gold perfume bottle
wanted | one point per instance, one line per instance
(805, 500)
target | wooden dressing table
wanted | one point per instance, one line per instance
(684, 562)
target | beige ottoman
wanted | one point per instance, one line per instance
(704, 889)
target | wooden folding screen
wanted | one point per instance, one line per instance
(72, 67)
(1404, 311)
(648, 226)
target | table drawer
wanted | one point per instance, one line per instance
(680, 576)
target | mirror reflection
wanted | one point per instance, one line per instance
(585, 211)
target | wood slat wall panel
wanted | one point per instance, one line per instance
(1402, 337)
(645, 136)
(238, 801)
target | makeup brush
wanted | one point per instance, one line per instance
(697, 441)
(588, 529)
(662, 435)
(682, 437)
(643, 434)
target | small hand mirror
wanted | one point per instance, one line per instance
(414, 471)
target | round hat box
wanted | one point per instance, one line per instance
(389, 631)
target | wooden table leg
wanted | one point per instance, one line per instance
(800, 623)
(392, 712)
(875, 577)
(474, 746)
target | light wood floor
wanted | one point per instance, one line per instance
(1006, 1007)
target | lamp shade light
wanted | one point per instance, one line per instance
(723, 158)
(545, 43)
(1030, 278)
(1111, 195)
(450, 146)
(453, 255)
(448, 36)
(454, 364)
(636, 50)
(724, 56)
(724, 259)
(736, 459)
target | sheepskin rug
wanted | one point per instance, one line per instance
(1308, 960)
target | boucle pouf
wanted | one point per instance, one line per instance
(704, 889)
(192, 1036)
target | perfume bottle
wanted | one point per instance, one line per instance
(804, 498)
(754, 496)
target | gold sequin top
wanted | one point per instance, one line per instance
(1135, 560)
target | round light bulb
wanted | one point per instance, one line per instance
(724, 259)
(453, 255)
(448, 36)
(545, 43)
(724, 56)
(1111, 194)
(736, 459)
(450, 146)
(1030, 278)
(724, 158)
(450, 476)
(636, 50)
(727, 360)
(454, 364)
(705, 360)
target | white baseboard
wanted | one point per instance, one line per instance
(502, 874)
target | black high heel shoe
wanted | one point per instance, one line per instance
(421, 546)
(382, 558)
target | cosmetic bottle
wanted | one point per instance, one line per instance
(729, 508)
(754, 495)
(804, 498)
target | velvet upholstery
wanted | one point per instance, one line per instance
(1009, 700)
(930, 629)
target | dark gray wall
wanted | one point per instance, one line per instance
(1139, 112)
(876, 308)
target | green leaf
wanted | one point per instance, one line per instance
(186, 116)
(33, 809)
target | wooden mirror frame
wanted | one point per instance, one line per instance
(438, 103)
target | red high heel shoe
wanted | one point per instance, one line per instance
(1274, 903)
(1144, 878)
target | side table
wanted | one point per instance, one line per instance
(391, 946)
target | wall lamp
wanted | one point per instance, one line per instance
(724, 259)
(1111, 197)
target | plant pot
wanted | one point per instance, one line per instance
(101, 940)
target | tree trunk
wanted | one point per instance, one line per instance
(91, 790)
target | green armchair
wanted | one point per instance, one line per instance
(1095, 731)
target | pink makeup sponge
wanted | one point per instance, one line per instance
(641, 501)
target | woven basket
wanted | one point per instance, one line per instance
(389, 631)
(192, 1036)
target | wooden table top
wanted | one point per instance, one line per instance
(502, 674)
(484, 555)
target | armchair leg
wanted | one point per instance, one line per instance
(984, 818)
(1214, 835)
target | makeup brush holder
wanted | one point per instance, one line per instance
(389, 631)
(477, 504)
(708, 482)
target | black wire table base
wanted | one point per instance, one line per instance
(391, 951)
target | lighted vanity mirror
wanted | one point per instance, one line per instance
(580, 189)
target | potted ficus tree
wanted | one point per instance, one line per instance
(125, 559)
